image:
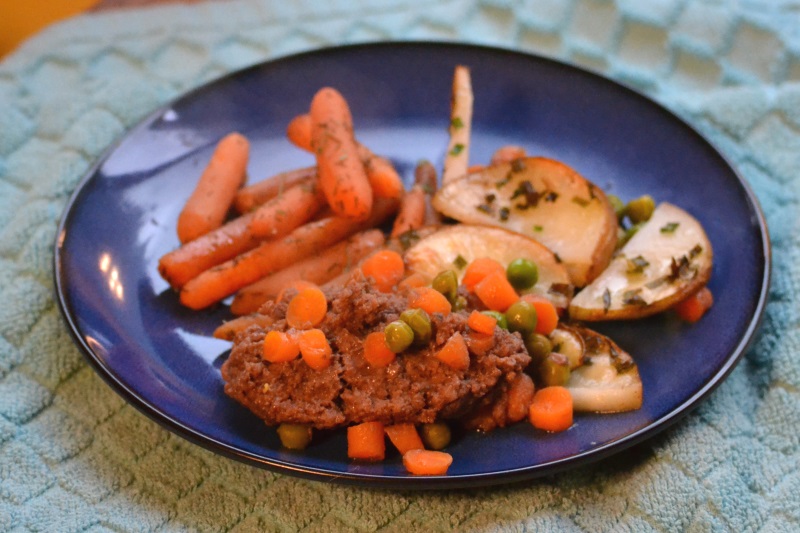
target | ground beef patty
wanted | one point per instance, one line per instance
(415, 388)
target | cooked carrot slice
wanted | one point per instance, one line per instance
(365, 441)
(280, 347)
(429, 300)
(427, 462)
(481, 323)
(695, 306)
(404, 437)
(385, 267)
(479, 269)
(454, 353)
(546, 313)
(307, 309)
(376, 352)
(551, 409)
(315, 348)
(496, 292)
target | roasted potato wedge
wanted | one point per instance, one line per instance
(542, 199)
(668, 259)
(608, 379)
(441, 250)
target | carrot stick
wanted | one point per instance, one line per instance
(551, 409)
(299, 132)
(404, 437)
(456, 158)
(271, 256)
(342, 176)
(285, 212)
(307, 309)
(180, 266)
(207, 206)
(427, 462)
(412, 212)
(366, 441)
(229, 329)
(319, 269)
(250, 197)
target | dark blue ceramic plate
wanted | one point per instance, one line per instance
(162, 359)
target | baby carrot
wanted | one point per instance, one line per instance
(342, 176)
(412, 212)
(315, 348)
(429, 300)
(271, 256)
(479, 269)
(251, 196)
(229, 329)
(385, 267)
(404, 437)
(496, 292)
(207, 206)
(307, 309)
(299, 131)
(507, 154)
(376, 352)
(280, 347)
(427, 462)
(692, 308)
(481, 323)
(285, 212)
(546, 313)
(551, 409)
(454, 353)
(366, 441)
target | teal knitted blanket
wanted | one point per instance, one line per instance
(75, 457)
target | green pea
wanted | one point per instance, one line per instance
(294, 436)
(521, 316)
(446, 282)
(538, 347)
(420, 324)
(460, 304)
(522, 274)
(618, 205)
(554, 370)
(500, 317)
(435, 436)
(399, 336)
(640, 209)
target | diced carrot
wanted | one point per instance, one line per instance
(211, 199)
(507, 154)
(496, 292)
(480, 343)
(520, 396)
(404, 437)
(366, 441)
(315, 348)
(229, 329)
(427, 462)
(252, 196)
(551, 409)
(376, 352)
(280, 347)
(479, 269)
(382, 176)
(293, 207)
(385, 267)
(299, 131)
(546, 313)
(481, 323)
(429, 300)
(454, 353)
(414, 280)
(341, 172)
(307, 309)
(692, 308)
(412, 212)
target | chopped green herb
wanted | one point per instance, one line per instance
(637, 265)
(606, 301)
(502, 183)
(669, 227)
(551, 196)
(457, 149)
(517, 165)
(484, 208)
(694, 252)
(504, 213)
(537, 227)
(460, 262)
(583, 202)
(408, 238)
(656, 283)
(633, 297)
(457, 123)
(489, 198)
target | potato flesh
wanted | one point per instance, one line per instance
(620, 292)
(441, 251)
(571, 216)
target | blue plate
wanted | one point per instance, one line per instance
(162, 359)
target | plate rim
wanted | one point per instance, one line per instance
(410, 482)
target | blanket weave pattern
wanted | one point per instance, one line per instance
(75, 457)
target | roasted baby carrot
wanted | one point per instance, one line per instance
(404, 437)
(366, 441)
(229, 329)
(341, 172)
(209, 203)
(427, 462)
(412, 212)
(695, 306)
(454, 353)
(285, 212)
(307, 309)
(280, 347)
(551, 409)
(299, 132)
(315, 348)
(376, 352)
(429, 300)
(318, 269)
(496, 292)
(385, 267)
(271, 256)
(251, 196)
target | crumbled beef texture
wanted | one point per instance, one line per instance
(415, 388)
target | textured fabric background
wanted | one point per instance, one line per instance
(75, 457)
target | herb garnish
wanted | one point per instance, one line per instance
(637, 265)
(670, 227)
(457, 149)
(583, 202)
(606, 301)
(537, 227)
(632, 297)
(460, 262)
(504, 213)
(408, 238)
(457, 123)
